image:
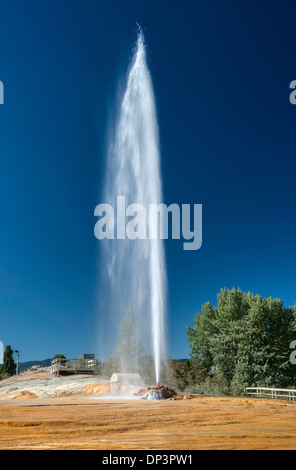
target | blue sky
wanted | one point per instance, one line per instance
(221, 74)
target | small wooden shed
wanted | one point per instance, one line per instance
(120, 379)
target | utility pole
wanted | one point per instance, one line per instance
(17, 361)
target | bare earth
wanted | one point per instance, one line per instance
(201, 423)
(40, 411)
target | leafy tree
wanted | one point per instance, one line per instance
(59, 356)
(245, 339)
(130, 355)
(109, 367)
(198, 336)
(130, 351)
(147, 369)
(8, 367)
(186, 374)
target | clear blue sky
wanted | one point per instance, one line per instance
(221, 73)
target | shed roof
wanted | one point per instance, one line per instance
(126, 378)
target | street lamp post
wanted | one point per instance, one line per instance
(17, 361)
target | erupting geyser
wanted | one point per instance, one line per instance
(134, 270)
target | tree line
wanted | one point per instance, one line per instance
(245, 341)
(242, 342)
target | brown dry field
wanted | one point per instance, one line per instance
(200, 423)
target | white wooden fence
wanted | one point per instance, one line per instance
(279, 393)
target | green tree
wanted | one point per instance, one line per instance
(109, 367)
(198, 336)
(147, 369)
(245, 339)
(186, 374)
(8, 367)
(59, 356)
(129, 354)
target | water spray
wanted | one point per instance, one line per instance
(134, 270)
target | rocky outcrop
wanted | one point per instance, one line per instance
(38, 382)
(157, 392)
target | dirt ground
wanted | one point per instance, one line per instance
(200, 423)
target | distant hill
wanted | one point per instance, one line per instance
(26, 365)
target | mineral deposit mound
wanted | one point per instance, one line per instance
(156, 392)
